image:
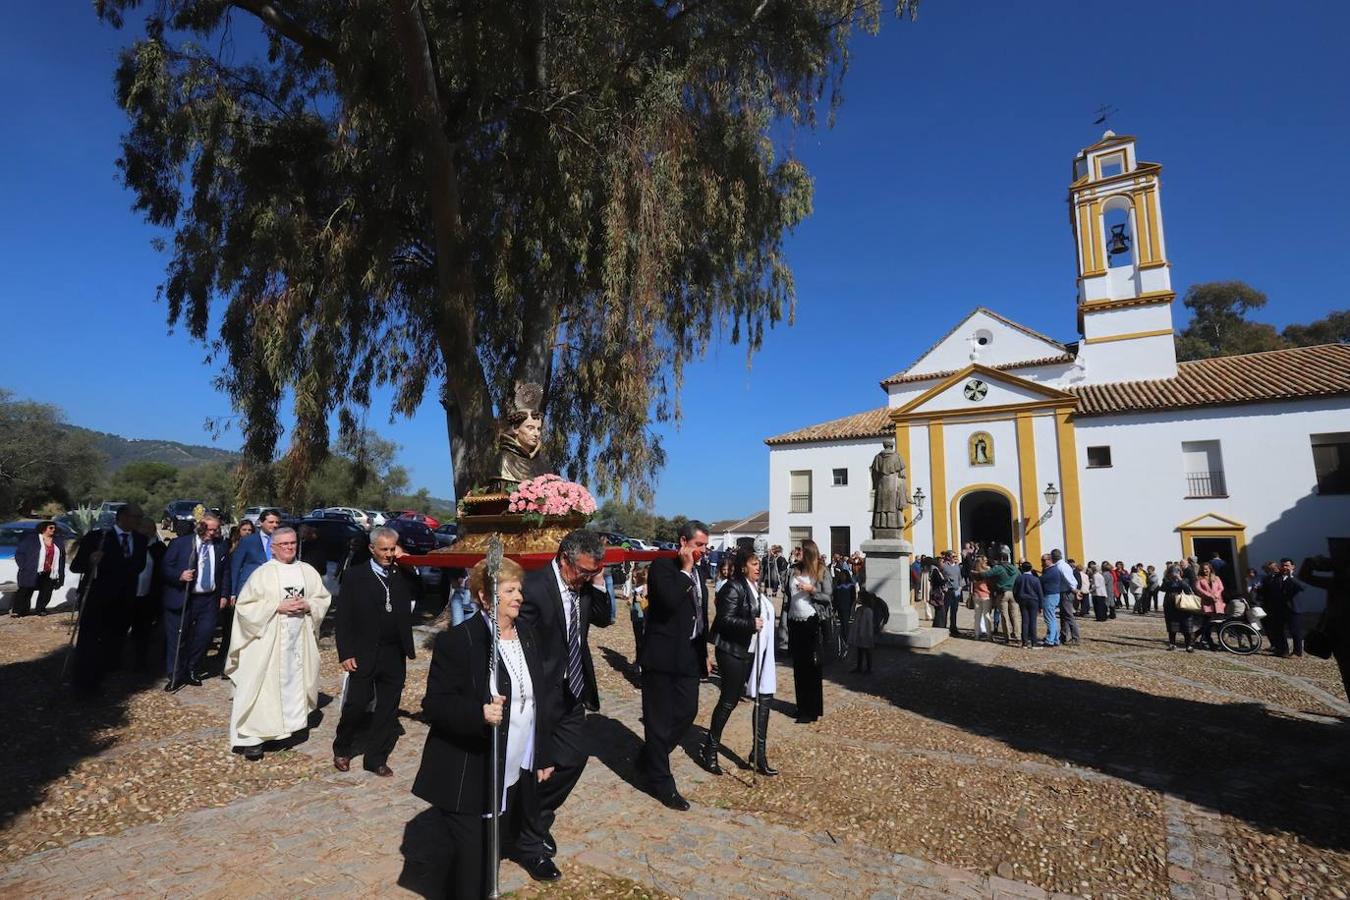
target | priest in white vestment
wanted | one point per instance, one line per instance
(274, 648)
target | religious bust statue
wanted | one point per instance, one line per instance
(520, 458)
(889, 497)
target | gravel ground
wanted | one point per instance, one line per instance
(583, 882)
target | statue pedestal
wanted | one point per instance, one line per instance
(888, 577)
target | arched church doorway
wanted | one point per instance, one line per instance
(986, 517)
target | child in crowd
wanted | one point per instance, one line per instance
(862, 631)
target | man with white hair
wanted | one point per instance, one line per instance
(374, 640)
(274, 648)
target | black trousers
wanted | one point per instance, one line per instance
(98, 646)
(803, 636)
(225, 618)
(469, 842)
(541, 809)
(669, 705)
(733, 670)
(381, 678)
(23, 598)
(145, 620)
(1275, 628)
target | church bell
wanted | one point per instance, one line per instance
(1119, 241)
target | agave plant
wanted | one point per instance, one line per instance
(83, 518)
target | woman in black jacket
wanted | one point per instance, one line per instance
(740, 618)
(461, 706)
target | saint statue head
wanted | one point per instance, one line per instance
(888, 443)
(524, 424)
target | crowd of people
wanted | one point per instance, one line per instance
(692, 614)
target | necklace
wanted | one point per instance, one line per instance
(521, 695)
(388, 601)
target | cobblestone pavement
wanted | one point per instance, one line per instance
(974, 770)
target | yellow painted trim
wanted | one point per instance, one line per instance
(937, 474)
(902, 447)
(1108, 338)
(1156, 264)
(1026, 487)
(1143, 249)
(987, 413)
(1070, 503)
(1155, 253)
(1237, 533)
(1145, 172)
(975, 488)
(1149, 298)
(988, 374)
(1095, 236)
(1231, 523)
(1081, 226)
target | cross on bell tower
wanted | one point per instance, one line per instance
(1124, 279)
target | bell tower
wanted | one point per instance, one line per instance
(1124, 279)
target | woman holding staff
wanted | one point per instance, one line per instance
(463, 704)
(742, 637)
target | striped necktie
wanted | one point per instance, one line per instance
(574, 680)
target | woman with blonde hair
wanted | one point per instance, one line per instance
(463, 703)
(810, 577)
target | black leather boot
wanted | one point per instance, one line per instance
(707, 756)
(762, 738)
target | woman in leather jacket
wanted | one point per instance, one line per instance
(742, 614)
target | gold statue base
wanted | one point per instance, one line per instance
(486, 516)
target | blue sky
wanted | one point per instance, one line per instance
(941, 188)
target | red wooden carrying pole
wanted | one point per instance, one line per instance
(527, 561)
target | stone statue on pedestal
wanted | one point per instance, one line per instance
(889, 497)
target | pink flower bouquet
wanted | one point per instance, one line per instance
(550, 495)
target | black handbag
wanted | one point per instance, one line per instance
(1318, 641)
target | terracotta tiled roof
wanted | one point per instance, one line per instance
(902, 378)
(759, 522)
(1296, 373)
(873, 423)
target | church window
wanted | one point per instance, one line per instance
(981, 449)
(840, 477)
(797, 534)
(1331, 460)
(1099, 457)
(984, 337)
(1204, 469)
(975, 390)
(1113, 165)
(800, 499)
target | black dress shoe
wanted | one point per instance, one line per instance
(541, 868)
(766, 770)
(674, 801)
(201, 676)
(194, 681)
(253, 754)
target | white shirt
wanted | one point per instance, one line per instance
(1067, 571)
(520, 732)
(567, 594)
(698, 601)
(803, 589)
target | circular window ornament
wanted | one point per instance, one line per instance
(975, 390)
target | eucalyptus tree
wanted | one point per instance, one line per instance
(450, 197)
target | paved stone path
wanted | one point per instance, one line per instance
(353, 834)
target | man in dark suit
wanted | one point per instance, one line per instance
(674, 658)
(252, 552)
(113, 558)
(1282, 612)
(196, 575)
(374, 638)
(41, 559)
(562, 601)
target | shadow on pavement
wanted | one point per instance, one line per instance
(47, 733)
(1240, 759)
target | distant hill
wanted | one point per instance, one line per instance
(119, 450)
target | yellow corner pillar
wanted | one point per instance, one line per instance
(937, 473)
(1026, 486)
(1071, 505)
(902, 447)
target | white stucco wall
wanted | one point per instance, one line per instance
(1132, 510)
(831, 506)
(898, 395)
(1006, 345)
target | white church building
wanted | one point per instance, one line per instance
(1105, 447)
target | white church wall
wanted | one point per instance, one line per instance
(961, 474)
(848, 505)
(1129, 320)
(1132, 509)
(1006, 345)
(1045, 435)
(998, 393)
(898, 395)
(1135, 359)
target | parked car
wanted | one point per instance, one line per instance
(10, 534)
(414, 516)
(375, 518)
(356, 515)
(339, 538)
(178, 515)
(446, 534)
(253, 513)
(414, 537)
(107, 513)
